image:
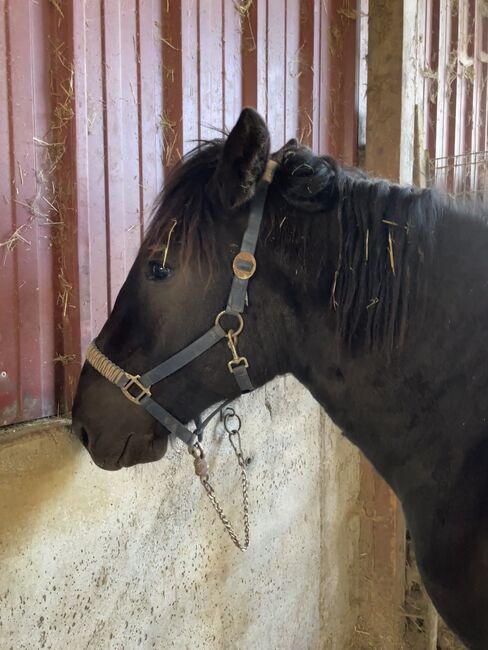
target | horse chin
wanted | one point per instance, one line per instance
(107, 465)
(147, 450)
(136, 450)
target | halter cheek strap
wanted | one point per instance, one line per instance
(137, 388)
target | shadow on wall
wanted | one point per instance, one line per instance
(37, 462)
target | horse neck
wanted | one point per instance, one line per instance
(389, 404)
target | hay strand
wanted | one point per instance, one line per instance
(243, 6)
(57, 6)
(11, 242)
(64, 292)
(64, 359)
(168, 241)
(390, 252)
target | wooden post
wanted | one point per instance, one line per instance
(389, 154)
(391, 89)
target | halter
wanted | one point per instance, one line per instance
(137, 388)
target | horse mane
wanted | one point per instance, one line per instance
(386, 233)
(386, 239)
(184, 200)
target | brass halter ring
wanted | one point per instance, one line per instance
(235, 333)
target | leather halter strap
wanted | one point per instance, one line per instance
(237, 296)
(137, 388)
(184, 357)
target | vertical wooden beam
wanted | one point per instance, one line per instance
(171, 126)
(64, 199)
(385, 65)
(389, 153)
(381, 588)
(306, 124)
(249, 54)
(391, 89)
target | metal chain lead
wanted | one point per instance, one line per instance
(201, 470)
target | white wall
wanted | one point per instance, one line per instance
(138, 559)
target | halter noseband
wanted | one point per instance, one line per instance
(137, 388)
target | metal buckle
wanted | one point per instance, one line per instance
(238, 361)
(133, 380)
(244, 265)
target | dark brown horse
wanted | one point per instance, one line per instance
(374, 296)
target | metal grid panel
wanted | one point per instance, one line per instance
(454, 69)
(468, 171)
(115, 92)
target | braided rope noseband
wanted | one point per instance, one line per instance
(105, 367)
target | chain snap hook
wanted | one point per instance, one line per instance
(201, 470)
(235, 441)
(199, 462)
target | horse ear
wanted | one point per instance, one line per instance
(291, 144)
(243, 161)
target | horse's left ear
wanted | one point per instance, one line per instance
(243, 161)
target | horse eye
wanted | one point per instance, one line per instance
(157, 271)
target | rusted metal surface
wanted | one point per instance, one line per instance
(27, 326)
(454, 71)
(97, 100)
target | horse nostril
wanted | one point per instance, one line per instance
(84, 437)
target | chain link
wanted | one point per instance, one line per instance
(201, 469)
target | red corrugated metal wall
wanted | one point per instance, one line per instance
(97, 99)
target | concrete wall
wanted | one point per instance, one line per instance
(138, 559)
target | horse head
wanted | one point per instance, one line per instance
(181, 279)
